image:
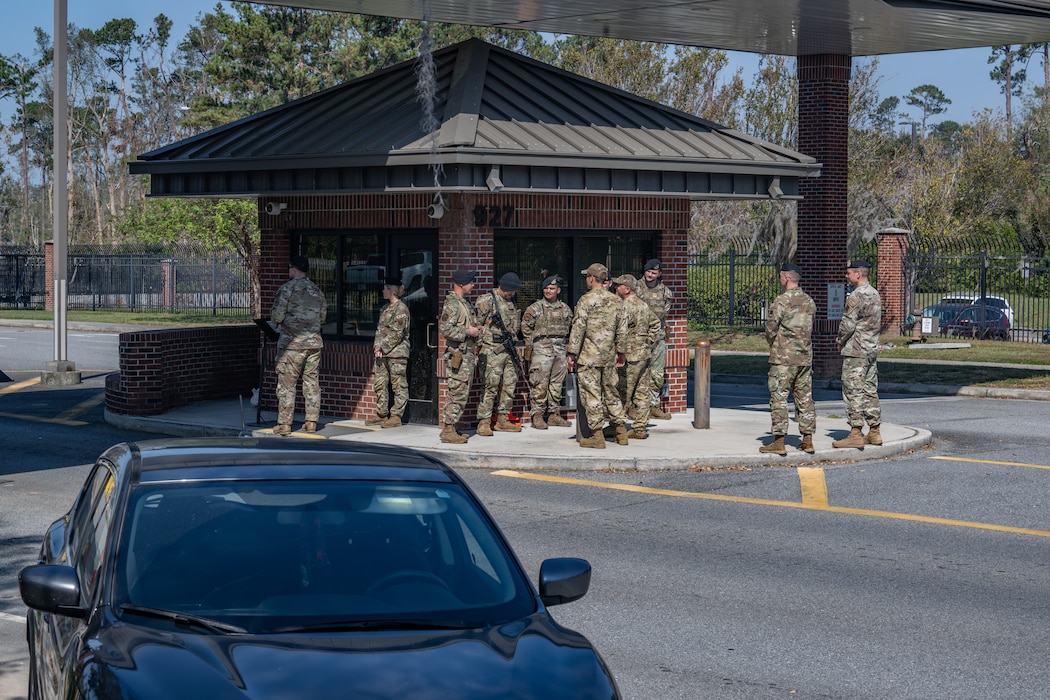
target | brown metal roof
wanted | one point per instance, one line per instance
(546, 129)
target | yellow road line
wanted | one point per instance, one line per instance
(17, 386)
(40, 419)
(781, 504)
(81, 407)
(992, 461)
(814, 486)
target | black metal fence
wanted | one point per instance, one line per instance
(214, 284)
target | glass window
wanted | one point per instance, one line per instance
(91, 529)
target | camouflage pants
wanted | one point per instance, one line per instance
(633, 388)
(291, 364)
(547, 372)
(656, 371)
(390, 376)
(599, 397)
(798, 381)
(500, 376)
(860, 391)
(458, 387)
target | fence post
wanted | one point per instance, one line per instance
(732, 286)
(702, 385)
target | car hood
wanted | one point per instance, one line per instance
(530, 658)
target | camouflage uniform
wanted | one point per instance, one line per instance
(658, 297)
(545, 327)
(496, 367)
(643, 328)
(789, 332)
(599, 327)
(456, 318)
(300, 310)
(858, 341)
(391, 370)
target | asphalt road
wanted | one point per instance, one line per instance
(921, 576)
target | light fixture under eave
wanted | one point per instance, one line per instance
(493, 181)
(275, 208)
(774, 189)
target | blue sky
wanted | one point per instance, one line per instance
(962, 75)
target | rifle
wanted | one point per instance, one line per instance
(505, 337)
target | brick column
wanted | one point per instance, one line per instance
(892, 286)
(823, 128)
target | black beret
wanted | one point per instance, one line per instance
(393, 280)
(553, 279)
(463, 277)
(653, 264)
(791, 267)
(858, 264)
(299, 262)
(510, 282)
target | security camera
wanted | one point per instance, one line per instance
(436, 210)
(275, 208)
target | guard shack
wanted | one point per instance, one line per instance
(532, 170)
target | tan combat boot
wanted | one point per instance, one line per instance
(449, 434)
(637, 434)
(558, 422)
(621, 435)
(282, 429)
(776, 447)
(874, 436)
(504, 425)
(596, 441)
(537, 421)
(310, 426)
(485, 428)
(807, 444)
(375, 420)
(391, 422)
(854, 439)
(659, 414)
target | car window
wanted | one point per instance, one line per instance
(266, 555)
(90, 528)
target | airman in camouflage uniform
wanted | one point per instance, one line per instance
(391, 347)
(656, 294)
(599, 328)
(545, 327)
(460, 330)
(300, 310)
(858, 341)
(498, 369)
(789, 332)
(643, 328)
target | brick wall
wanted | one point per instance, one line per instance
(162, 369)
(893, 246)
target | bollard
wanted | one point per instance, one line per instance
(702, 385)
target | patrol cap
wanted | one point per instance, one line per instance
(597, 271)
(628, 280)
(299, 262)
(463, 277)
(653, 264)
(553, 279)
(791, 267)
(510, 282)
(858, 264)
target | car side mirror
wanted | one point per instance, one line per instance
(51, 588)
(564, 580)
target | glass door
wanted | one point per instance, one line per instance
(416, 258)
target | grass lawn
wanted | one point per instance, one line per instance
(143, 318)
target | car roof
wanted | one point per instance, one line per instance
(285, 458)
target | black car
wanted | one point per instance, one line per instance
(980, 322)
(277, 568)
(945, 313)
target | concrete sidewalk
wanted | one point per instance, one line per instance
(732, 440)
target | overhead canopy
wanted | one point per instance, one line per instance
(508, 123)
(783, 27)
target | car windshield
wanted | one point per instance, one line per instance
(284, 555)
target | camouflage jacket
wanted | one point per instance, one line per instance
(545, 326)
(789, 328)
(392, 332)
(456, 317)
(658, 298)
(643, 328)
(487, 306)
(861, 322)
(599, 326)
(300, 310)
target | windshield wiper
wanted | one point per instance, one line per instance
(184, 619)
(395, 624)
